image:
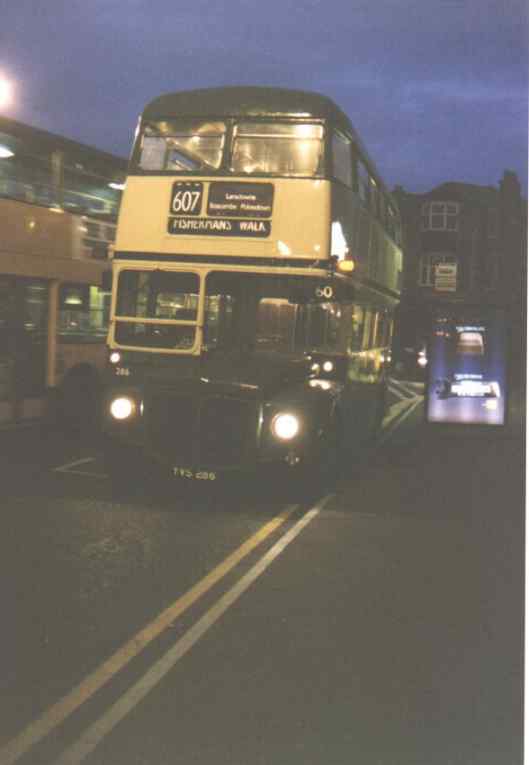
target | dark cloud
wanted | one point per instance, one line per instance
(437, 90)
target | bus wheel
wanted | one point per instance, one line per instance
(78, 398)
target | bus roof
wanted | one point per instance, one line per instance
(247, 101)
(256, 101)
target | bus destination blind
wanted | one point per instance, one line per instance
(233, 209)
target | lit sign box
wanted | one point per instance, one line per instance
(467, 367)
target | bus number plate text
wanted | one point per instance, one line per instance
(196, 475)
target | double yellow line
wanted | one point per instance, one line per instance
(61, 710)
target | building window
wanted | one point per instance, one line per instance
(427, 267)
(439, 216)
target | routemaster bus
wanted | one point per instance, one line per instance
(54, 313)
(256, 269)
(58, 208)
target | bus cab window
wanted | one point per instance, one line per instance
(276, 323)
(323, 326)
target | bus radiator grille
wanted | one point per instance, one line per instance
(170, 426)
(227, 432)
(207, 432)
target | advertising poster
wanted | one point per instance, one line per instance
(467, 367)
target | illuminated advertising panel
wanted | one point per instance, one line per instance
(467, 367)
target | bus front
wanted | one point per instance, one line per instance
(225, 330)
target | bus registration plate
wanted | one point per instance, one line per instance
(196, 475)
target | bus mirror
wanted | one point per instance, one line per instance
(106, 281)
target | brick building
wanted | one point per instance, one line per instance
(463, 244)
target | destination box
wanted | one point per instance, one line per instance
(219, 227)
(240, 200)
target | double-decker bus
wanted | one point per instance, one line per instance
(54, 312)
(58, 208)
(256, 270)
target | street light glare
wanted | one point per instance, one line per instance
(5, 91)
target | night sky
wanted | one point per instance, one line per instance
(437, 90)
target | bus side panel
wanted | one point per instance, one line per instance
(32, 230)
(375, 255)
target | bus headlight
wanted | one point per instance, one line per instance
(122, 408)
(285, 426)
(115, 357)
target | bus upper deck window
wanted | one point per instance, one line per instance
(277, 148)
(182, 145)
(342, 159)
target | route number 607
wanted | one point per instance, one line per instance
(186, 199)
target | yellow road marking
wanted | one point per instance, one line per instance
(66, 468)
(58, 712)
(96, 732)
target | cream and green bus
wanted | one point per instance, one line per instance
(256, 270)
